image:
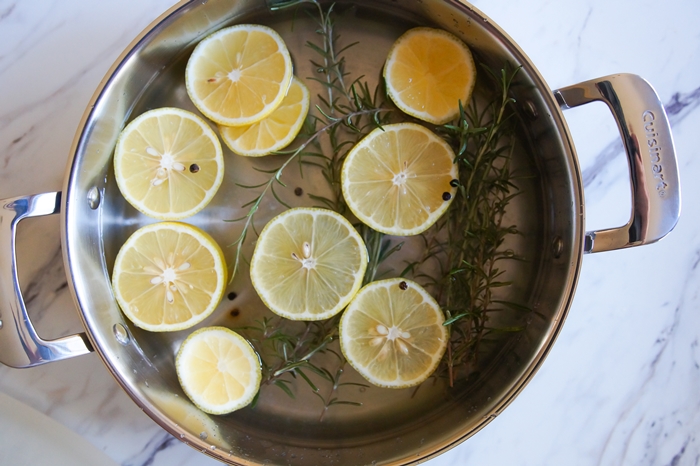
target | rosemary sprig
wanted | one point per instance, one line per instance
(339, 99)
(342, 139)
(472, 253)
(344, 114)
(286, 350)
(344, 100)
(332, 400)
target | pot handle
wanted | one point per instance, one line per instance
(646, 134)
(20, 345)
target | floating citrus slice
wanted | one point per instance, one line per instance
(168, 163)
(398, 179)
(169, 276)
(428, 72)
(392, 333)
(274, 132)
(308, 263)
(239, 75)
(218, 370)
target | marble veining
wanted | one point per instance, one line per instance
(160, 442)
(621, 385)
(677, 109)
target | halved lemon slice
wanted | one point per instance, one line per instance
(392, 333)
(169, 276)
(218, 370)
(273, 132)
(308, 263)
(168, 163)
(397, 179)
(428, 72)
(239, 75)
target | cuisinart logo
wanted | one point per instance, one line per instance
(649, 119)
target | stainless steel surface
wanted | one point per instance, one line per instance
(20, 345)
(392, 427)
(646, 134)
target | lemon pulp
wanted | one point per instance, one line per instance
(168, 163)
(308, 263)
(239, 75)
(428, 72)
(218, 370)
(169, 276)
(392, 333)
(398, 179)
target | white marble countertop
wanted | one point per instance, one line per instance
(622, 383)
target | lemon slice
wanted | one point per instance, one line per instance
(392, 333)
(397, 179)
(168, 163)
(218, 370)
(239, 75)
(428, 72)
(169, 276)
(308, 263)
(274, 132)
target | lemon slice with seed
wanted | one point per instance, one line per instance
(239, 75)
(398, 179)
(169, 276)
(308, 263)
(274, 132)
(168, 163)
(218, 370)
(392, 333)
(428, 72)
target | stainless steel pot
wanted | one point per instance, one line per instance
(393, 427)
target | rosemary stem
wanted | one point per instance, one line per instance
(331, 62)
(334, 389)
